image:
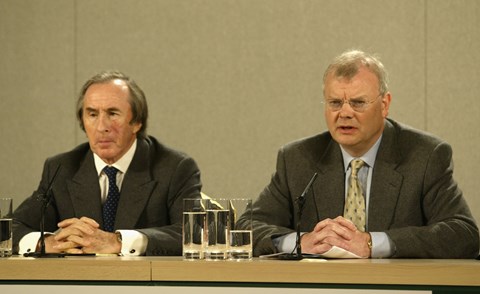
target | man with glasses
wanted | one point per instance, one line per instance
(384, 190)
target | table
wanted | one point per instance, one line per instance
(453, 276)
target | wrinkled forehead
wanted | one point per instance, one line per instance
(363, 84)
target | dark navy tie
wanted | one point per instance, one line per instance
(110, 205)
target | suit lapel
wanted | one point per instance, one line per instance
(84, 190)
(330, 187)
(386, 182)
(137, 187)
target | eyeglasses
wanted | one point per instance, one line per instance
(357, 104)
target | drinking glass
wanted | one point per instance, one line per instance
(193, 229)
(6, 215)
(240, 230)
(218, 229)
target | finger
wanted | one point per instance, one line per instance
(346, 223)
(322, 248)
(343, 231)
(74, 251)
(329, 223)
(334, 229)
(79, 229)
(90, 221)
(319, 248)
(75, 221)
(66, 245)
(67, 222)
(308, 239)
(321, 225)
(83, 227)
(66, 232)
(337, 242)
(79, 241)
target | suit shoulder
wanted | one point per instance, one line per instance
(161, 150)
(72, 157)
(408, 135)
(309, 143)
(411, 145)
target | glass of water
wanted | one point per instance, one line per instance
(240, 229)
(218, 229)
(193, 229)
(6, 216)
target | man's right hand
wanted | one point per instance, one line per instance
(54, 246)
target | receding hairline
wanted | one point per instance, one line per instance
(348, 64)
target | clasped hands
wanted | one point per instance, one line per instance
(338, 232)
(82, 235)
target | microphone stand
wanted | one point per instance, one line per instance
(46, 199)
(300, 203)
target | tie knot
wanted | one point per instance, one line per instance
(356, 164)
(111, 172)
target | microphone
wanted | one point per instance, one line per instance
(309, 185)
(46, 198)
(300, 202)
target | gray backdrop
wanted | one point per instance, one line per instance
(230, 81)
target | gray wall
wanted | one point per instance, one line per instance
(230, 81)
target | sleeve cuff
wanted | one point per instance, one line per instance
(134, 243)
(28, 243)
(286, 243)
(382, 246)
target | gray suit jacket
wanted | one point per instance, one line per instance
(413, 196)
(156, 182)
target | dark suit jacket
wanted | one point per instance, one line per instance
(413, 196)
(156, 182)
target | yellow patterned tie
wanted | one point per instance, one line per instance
(355, 202)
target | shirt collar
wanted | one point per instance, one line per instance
(122, 164)
(368, 157)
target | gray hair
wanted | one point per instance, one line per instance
(347, 64)
(137, 99)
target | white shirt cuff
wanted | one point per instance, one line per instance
(28, 243)
(134, 243)
(286, 243)
(382, 246)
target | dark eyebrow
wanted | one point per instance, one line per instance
(113, 109)
(90, 109)
(364, 97)
(359, 98)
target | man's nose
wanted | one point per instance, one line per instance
(103, 123)
(346, 110)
